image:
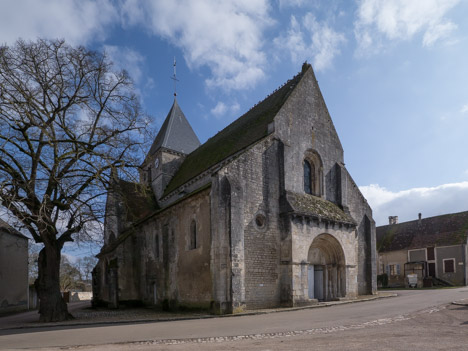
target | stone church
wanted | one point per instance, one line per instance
(263, 214)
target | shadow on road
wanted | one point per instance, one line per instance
(29, 330)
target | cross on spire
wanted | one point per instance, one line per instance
(174, 78)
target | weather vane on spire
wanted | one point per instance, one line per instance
(174, 78)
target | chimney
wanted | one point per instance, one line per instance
(419, 217)
(392, 220)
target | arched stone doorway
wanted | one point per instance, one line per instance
(327, 269)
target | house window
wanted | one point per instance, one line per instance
(193, 235)
(449, 265)
(393, 269)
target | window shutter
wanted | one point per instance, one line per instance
(388, 270)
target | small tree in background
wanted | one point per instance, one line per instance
(70, 275)
(33, 256)
(67, 121)
(86, 265)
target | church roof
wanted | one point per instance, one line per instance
(445, 230)
(314, 206)
(176, 133)
(246, 130)
(137, 200)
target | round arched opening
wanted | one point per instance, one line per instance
(327, 269)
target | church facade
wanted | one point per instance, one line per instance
(263, 214)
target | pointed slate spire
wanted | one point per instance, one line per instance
(176, 133)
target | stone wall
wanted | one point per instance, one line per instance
(254, 180)
(13, 272)
(304, 124)
(168, 269)
(367, 252)
(154, 264)
(304, 233)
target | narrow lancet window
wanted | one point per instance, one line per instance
(193, 235)
(156, 246)
(307, 177)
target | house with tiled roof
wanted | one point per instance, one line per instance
(434, 248)
(263, 214)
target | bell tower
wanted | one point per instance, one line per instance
(175, 140)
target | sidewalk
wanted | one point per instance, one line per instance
(85, 315)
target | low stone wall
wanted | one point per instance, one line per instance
(80, 296)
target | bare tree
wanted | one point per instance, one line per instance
(70, 275)
(33, 256)
(86, 265)
(68, 121)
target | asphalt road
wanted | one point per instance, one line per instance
(304, 326)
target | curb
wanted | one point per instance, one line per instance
(248, 313)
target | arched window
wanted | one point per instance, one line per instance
(307, 177)
(313, 174)
(193, 235)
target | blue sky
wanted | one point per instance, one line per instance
(394, 75)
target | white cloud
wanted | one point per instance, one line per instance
(125, 58)
(221, 109)
(76, 21)
(225, 36)
(464, 109)
(406, 204)
(401, 20)
(235, 107)
(311, 39)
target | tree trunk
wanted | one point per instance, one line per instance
(52, 307)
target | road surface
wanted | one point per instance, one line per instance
(267, 331)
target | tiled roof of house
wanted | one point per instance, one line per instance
(315, 206)
(243, 132)
(176, 133)
(445, 230)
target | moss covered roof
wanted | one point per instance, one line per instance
(445, 230)
(317, 207)
(138, 200)
(246, 130)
